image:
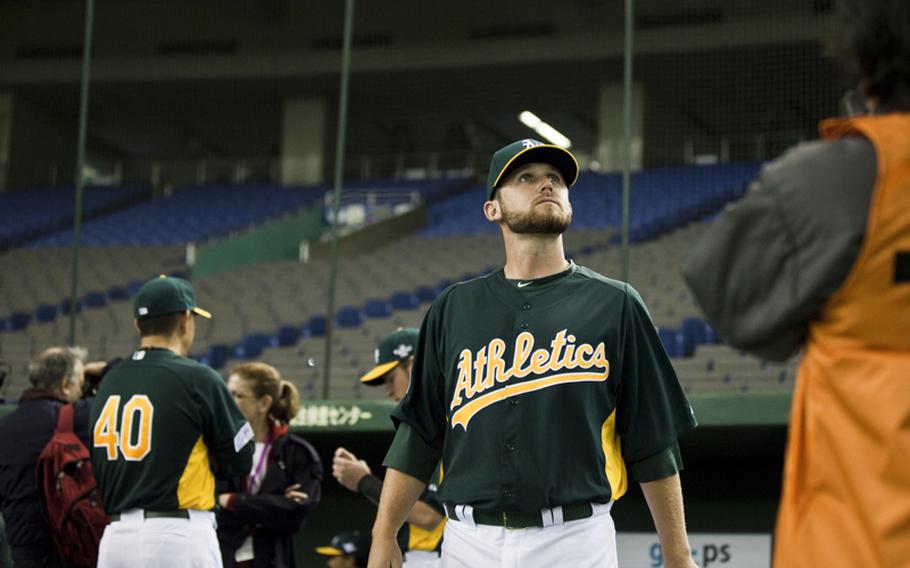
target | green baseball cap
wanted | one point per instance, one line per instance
(522, 152)
(166, 295)
(348, 544)
(392, 350)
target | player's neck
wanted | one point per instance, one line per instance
(260, 430)
(534, 256)
(172, 343)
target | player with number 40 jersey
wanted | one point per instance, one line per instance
(164, 427)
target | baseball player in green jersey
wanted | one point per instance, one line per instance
(544, 389)
(164, 428)
(421, 536)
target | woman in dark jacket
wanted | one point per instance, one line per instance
(260, 513)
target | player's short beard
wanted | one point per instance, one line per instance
(536, 221)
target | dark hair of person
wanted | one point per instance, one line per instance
(872, 40)
(163, 325)
(47, 369)
(266, 380)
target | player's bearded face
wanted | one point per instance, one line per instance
(538, 219)
(535, 200)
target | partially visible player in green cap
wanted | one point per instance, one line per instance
(346, 550)
(164, 427)
(420, 538)
(394, 357)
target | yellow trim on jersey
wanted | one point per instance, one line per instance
(463, 415)
(196, 488)
(616, 467)
(422, 539)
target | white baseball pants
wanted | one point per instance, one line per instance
(585, 543)
(421, 559)
(137, 542)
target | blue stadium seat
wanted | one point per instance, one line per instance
(695, 330)
(316, 326)
(45, 313)
(670, 340)
(349, 316)
(64, 306)
(18, 321)
(95, 299)
(376, 308)
(684, 344)
(117, 293)
(218, 355)
(425, 294)
(253, 345)
(288, 335)
(404, 301)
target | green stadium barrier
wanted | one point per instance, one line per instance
(278, 240)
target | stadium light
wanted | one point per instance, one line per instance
(545, 131)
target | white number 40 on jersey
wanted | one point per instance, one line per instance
(134, 446)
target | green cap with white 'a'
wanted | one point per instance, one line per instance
(526, 151)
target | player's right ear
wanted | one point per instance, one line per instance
(492, 211)
(184, 320)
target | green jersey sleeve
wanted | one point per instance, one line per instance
(410, 454)
(659, 466)
(652, 410)
(225, 431)
(423, 406)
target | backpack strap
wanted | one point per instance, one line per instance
(65, 418)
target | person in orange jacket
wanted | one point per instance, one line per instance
(817, 257)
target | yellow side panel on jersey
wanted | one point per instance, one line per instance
(420, 539)
(616, 467)
(196, 489)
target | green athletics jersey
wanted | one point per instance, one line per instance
(164, 427)
(539, 399)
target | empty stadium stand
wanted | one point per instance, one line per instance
(190, 214)
(274, 310)
(31, 214)
(663, 199)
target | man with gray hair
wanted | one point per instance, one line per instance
(56, 376)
